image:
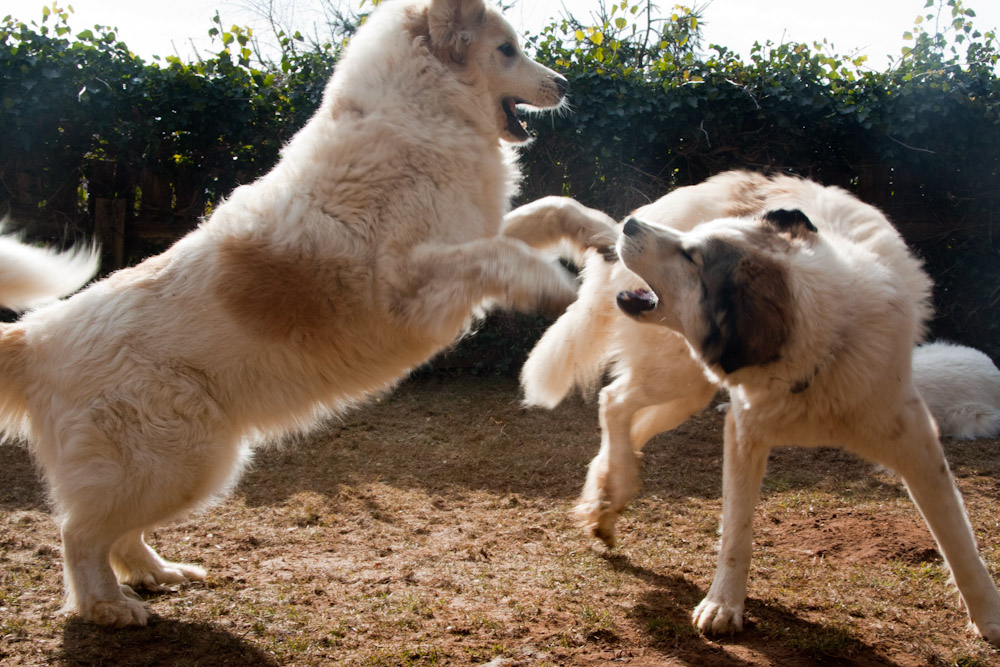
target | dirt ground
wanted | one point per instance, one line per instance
(429, 528)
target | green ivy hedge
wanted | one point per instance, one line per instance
(68, 99)
(649, 113)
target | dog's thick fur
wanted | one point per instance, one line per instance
(362, 253)
(961, 387)
(800, 300)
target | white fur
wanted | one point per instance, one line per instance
(361, 254)
(810, 331)
(961, 387)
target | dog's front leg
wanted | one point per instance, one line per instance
(443, 284)
(744, 462)
(548, 221)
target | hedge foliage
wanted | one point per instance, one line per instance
(650, 110)
(72, 98)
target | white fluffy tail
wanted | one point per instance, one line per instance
(575, 350)
(29, 275)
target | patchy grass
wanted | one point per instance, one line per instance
(429, 528)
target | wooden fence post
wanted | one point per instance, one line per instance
(110, 191)
(109, 231)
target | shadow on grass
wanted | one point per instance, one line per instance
(162, 642)
(456, 434)
(664, 614)
(21, 487)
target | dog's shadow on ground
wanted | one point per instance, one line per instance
(664, 614)
(162, 642)
(22, 487)
(446, 434)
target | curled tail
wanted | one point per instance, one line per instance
(29, 274)
(575, 350)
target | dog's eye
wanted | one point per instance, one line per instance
(507, 49)
(685, 254)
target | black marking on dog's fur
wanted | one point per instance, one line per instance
(745, 301)
(794, 222)
(799, 386)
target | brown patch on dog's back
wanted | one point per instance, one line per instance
(273, 295)
(12, 347)
(748, 196)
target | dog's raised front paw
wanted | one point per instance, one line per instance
(714, 618)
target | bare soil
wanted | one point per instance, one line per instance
(429, 528)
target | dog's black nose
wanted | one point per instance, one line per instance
(632, 227)
(562, 85)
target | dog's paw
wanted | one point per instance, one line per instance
(142, 567)
(714, 618)
(597, 519)
(119, 613)
(988, 631)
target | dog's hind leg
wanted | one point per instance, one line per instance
(744, 463)
(106, 495)
(917, 456)
(91, 586)
(125, 464)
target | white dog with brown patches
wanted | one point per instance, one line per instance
(800, 300)
(361, 254)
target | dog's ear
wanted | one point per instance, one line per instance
(452, 25)
(746, 304)
(792, 222)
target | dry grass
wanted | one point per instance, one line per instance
(430, 529)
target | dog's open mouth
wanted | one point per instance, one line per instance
(637, 301)
(515, 127)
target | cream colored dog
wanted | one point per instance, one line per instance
(800, 300)
(361, 254)
(961, 387)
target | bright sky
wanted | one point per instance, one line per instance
(870, 27)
